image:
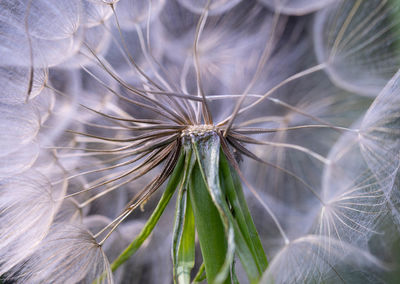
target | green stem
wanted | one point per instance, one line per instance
(173, 182)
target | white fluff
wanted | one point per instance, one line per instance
(359, 45)
(26, 213)
(69, 254)
(318, 259)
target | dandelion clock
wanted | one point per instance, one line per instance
(212, 141)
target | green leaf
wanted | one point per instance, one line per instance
(214, 227)
(200, 275)
(173, 182)
(187, 246)
(234, 277)
(183, 247)
(230, 182)
(210, 229)
(246, 238)
(227, 195)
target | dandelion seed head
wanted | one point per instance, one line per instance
(100, 98)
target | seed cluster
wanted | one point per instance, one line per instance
(198, 130)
